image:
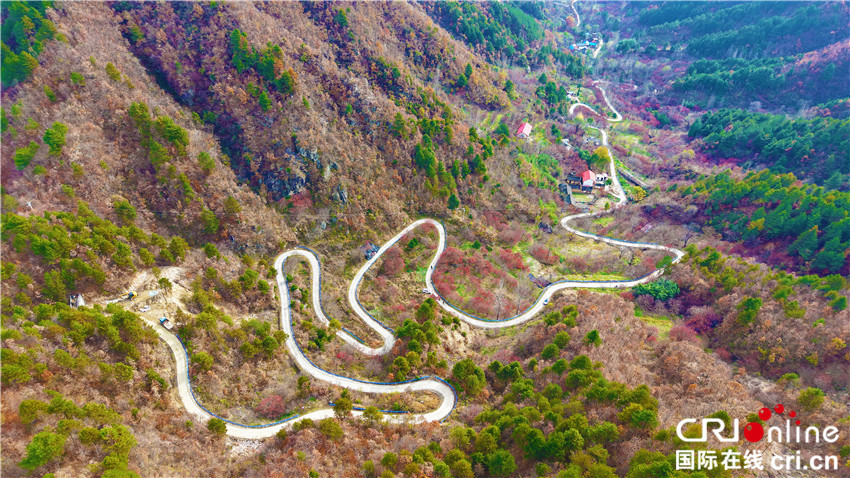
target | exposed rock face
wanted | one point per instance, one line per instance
(340, 194)
(284, 182)
(281, 185)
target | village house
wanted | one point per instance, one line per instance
(539, 281)
(588, 179)
(523, 131)
(644, 228)
(585, 45)
(76, 300)
(573, 180)
(601, 179)
(592, 140)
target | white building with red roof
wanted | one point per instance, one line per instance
(524, 130)
(588, 178)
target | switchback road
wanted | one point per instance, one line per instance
(435, 385)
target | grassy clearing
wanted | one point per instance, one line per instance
(469, 245)
(604, 220)
(496, 120)
(538, 134)
(522, 246)
(538, 170)
(631, 140)
(608, 291)
(662, 323)
(579, 248)
(596, 276)
(513, 331)
(486, 122)
(490, 122)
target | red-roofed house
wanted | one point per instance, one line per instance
(588, 178)
(524, 130)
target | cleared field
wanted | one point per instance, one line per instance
(663, 324)
(604, 221)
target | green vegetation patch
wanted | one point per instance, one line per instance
(25, 31)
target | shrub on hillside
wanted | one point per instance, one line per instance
(272, 406)
(684, 334)
(543, 254)
(663, 289)
(393, 262)
(512, 260)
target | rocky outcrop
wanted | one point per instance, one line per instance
(339, 194)
(283, 182)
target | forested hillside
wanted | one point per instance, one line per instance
(781, 54)
(194, 194)
(767, 207)
(814, 149)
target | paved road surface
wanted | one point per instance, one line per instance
(436, 385)
(573, 6)
(617, 116)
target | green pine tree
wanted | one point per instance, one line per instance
(831, 257)
(454, 202)
(805, 245)
(45, 446)
(55, 137)
(265, 101)
(399, 127)
(24, 155)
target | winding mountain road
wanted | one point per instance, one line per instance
(598, 49)
(573, 6)
(617, 116)
(432, 384)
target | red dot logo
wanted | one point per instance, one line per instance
(792, 414)
(753, 432)
(764, 414)
(779, 408)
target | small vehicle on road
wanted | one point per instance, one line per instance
(426, 291)
(144, 308)
(546, 301)
(166, 323)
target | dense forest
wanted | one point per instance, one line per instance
(497, 29)
(507, 33)
(769, 52)
(814, 149)
(729, 30)
(812, 222)
(25, 32)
